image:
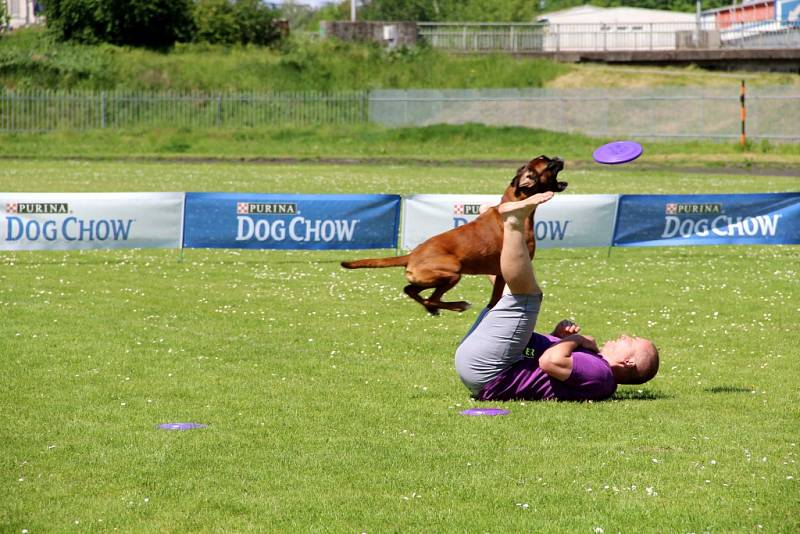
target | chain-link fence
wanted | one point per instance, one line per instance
(773, 113)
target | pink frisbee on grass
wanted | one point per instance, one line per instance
(181, 426)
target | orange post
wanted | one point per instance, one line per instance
(743, 108)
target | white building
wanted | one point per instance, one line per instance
(23, 12)
(594, 28)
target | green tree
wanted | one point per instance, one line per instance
(418, 10)
(215, 22)
(298, 14)
(147, 23)
(340, 11)
(256, 22)
(3, 17)
(494, 11)
(235, 22)
(502, 10)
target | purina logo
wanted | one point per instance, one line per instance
(32, 208)
(692, 209)
(266, 208)
(466, 209)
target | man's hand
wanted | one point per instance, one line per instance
(584, 342)
(565, 328)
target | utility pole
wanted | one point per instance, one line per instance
(352, 10)
(698, 11)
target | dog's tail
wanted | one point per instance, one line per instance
(395, 261)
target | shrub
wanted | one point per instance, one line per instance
(148, 23)
(31, 59)
(235, 22)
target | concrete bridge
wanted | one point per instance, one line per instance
(777, 59)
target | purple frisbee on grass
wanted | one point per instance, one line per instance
(181, 426)
(618, 152)
(485, 411)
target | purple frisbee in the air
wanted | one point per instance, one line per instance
(485, 411)
(181, 426)
(618, 152)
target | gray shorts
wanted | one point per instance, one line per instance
(497, 340)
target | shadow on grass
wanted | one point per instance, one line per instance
(635, 394)
(728, 389)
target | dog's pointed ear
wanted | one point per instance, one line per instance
(526, 181)
(523, 178)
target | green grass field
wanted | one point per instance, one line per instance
(437, 144)
(331, 398)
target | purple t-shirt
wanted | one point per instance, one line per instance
(591, 377)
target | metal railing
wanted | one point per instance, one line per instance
(596, 37)
(39, 110)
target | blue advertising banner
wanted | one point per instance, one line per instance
(253, 220)
(659, 220)
(788, 12)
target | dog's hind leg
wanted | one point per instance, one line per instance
(413, 291)
(442, 281)
(436, 298)
(441, 275)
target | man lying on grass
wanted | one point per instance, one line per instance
(502, 358)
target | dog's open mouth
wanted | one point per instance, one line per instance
(555, 166)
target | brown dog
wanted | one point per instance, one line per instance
(473, 248)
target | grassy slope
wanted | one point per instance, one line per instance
(331, 398)
(29, 60)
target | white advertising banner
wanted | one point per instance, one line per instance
(64, 221)
(567, 221)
